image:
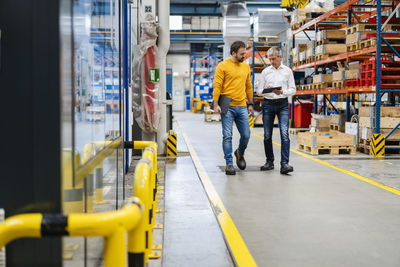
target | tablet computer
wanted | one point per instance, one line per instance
(224, 103)
(269, 90)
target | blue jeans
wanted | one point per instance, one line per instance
(269, 112)
(240, 116)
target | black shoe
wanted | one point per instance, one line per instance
(240, 162)
(229, 170)
(286, 168)
(269, 165)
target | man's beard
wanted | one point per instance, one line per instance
(240, 59)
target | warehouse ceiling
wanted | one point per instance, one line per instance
(212, 8)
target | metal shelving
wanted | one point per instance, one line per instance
(382, 46)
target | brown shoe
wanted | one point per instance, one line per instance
(240, 162)
(229, 170)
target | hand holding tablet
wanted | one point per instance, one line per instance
(271, 89)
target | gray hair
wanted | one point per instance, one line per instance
(274, 51)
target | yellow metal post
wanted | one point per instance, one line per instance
(149, 154)
(72, 190)
(378, 145)
(138, 242)
(251, 121)
(89, 151)
(172, 147)
(115, 249)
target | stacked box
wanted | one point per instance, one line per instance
(352, 74)
(310, 49)
(214, 23)
(331, 49)
(297, 50)
(337, 122)
(299, 15)
(338, 75)
(196, 24)
(331, 36)
(205, 23)
(322, 78)
(390, 117)
(319, 123)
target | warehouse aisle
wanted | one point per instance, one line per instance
(318, 216)
(192, 236)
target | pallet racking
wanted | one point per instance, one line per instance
(374, 78)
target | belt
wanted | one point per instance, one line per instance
(275, 101)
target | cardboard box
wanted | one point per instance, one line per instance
(386, 122)
(355, 65)
(338, 75)
(214, 23)
(332, 49)
(366, 133)
(204, 23)
(330, 34)
(320, 123)
(338, 119)
(322, 78)
(393, 112)
(186, 26)
(352, 74)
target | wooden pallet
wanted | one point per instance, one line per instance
(322, 56)
(295, 26)
(338, 84)
(366, 149)
(303, 22)
(336, 127)
(364, 141)
(321, 85)
(363, 148)
(298, 130)
(310, 59)
(328, 150)
(361, 27)
(367, 43)
(331, 41)
(353, 47)
(212, 117)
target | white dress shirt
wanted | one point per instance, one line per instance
(280, 77)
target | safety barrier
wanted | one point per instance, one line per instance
(111, 225)
(150, 155)
(137, 218)
(197, 104)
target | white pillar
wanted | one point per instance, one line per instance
(163, 47)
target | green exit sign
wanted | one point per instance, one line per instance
(154, 75)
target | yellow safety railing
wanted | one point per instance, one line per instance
(198, 104)
(150, 156)
(135, 220)
(111, 225)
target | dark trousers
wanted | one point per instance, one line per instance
(271, 109)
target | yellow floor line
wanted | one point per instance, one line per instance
(235, 242)
(362, 178)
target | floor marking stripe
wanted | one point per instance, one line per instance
(362, 178)
(238, 248)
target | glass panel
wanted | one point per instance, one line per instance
(92, 118)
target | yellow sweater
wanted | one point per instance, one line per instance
(233, 80)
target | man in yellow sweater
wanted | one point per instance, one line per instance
(232, 79)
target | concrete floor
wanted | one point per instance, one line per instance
(317, 216)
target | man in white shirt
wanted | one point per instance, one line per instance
(276, 104)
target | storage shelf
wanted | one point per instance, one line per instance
(340, 57)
